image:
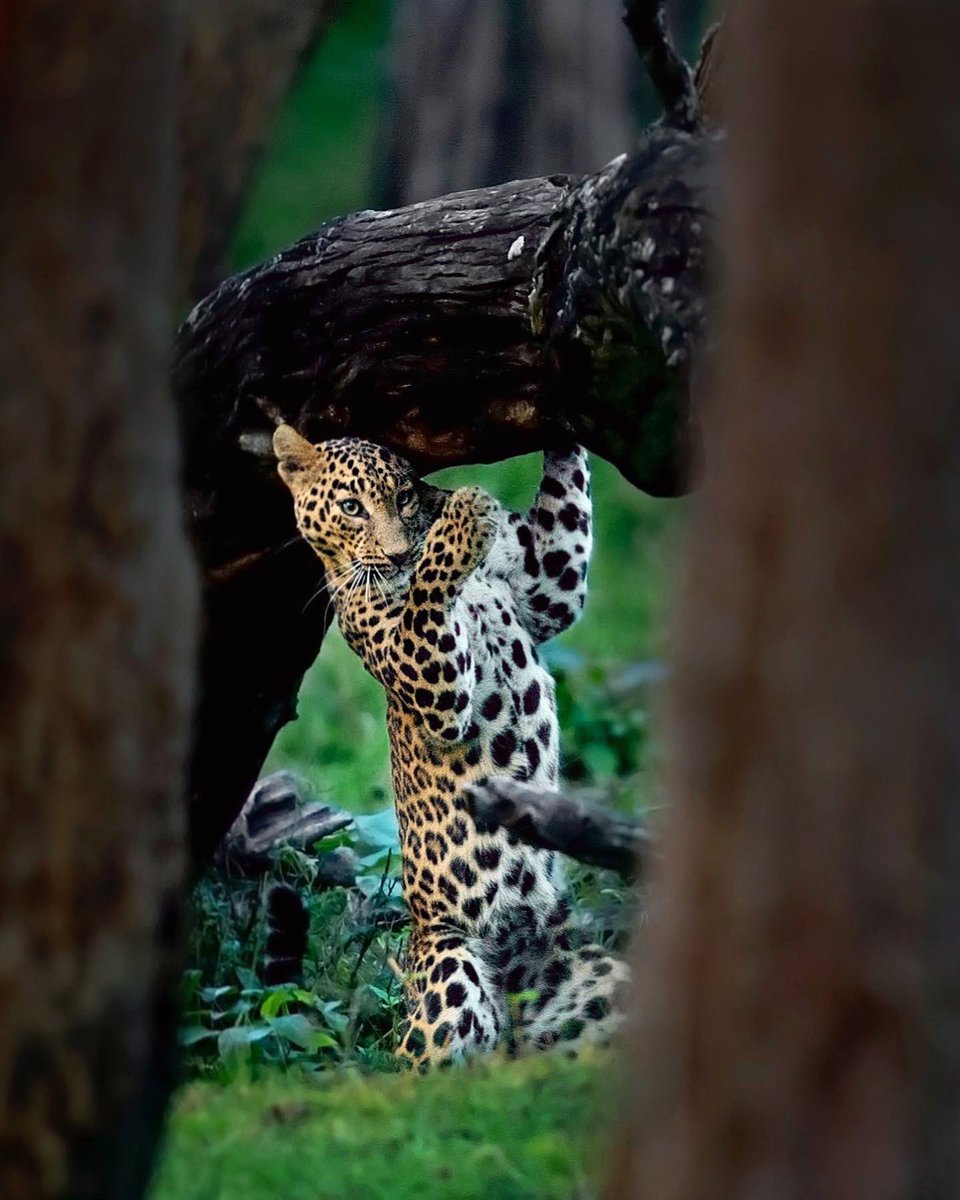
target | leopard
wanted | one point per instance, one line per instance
(445, 597)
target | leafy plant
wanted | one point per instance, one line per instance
(350, 1000)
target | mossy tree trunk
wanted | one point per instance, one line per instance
(801, 990)
(97, 597)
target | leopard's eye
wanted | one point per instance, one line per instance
(406, 497)
(353, 508)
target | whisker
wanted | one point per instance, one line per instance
(348, 586)
(320, 587)
(331, 593)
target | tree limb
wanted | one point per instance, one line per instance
(562, 822)
(279, 813)
(671, 77)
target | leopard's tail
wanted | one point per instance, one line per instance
(287, 925)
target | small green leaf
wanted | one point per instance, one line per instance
(248, 979)
(297, 1029)
(276, 1001)
(379, 830)
(193, 1034)
(238, 1039)
(209, 994)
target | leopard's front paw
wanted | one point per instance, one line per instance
(465, 529)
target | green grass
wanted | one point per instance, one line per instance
(524, 1130)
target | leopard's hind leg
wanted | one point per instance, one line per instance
(454, 1009)
(578, 1001)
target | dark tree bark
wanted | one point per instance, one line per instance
(505, 89)
(239, 61)
(97, 597)
(801, 990)
(468, 328)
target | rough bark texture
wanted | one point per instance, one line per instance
(801, 992)
(505, 89)
(576, 826)
(413, 327)
(238, 64)
(97, 612)
(647, 22)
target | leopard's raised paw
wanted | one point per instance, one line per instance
(467, 526)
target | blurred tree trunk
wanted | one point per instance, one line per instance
(97, 597)
(238, 64)
(801, 994)
(506, 89)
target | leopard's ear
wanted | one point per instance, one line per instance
(294, 454)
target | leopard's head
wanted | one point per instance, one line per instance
(362, 508)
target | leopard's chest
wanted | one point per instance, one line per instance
(451, 868)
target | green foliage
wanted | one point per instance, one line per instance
(526, 1130)
(351, 1001)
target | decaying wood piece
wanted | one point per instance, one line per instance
(575, 825)
(97, 598)
(463, 329)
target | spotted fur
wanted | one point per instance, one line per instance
(445, 598)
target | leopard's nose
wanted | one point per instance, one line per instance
(399, 558)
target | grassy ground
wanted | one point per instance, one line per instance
(525, 1130)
